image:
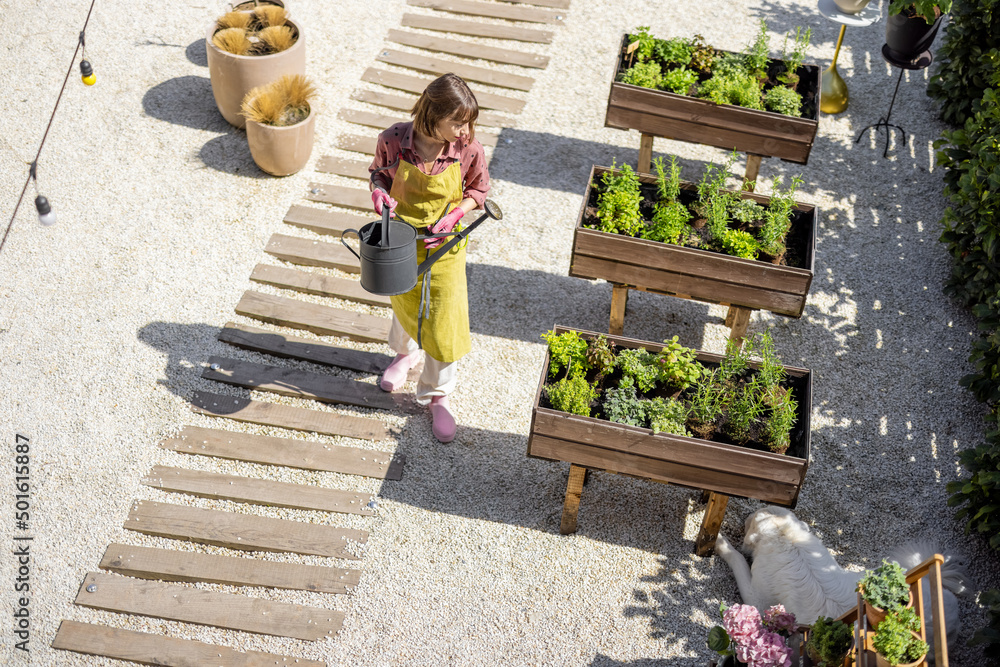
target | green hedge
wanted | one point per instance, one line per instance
(968, 56)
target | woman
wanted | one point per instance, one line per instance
(430, 172)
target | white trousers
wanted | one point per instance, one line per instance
(438, 377)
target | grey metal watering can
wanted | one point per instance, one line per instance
(388, 251)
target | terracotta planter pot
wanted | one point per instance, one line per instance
(882, 662)
(281, 151)
(233, 76)
(906, 38)
(876, 614)
(851, 6)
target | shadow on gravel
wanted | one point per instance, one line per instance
(230, 153)
(186, 347)
(531, 301)
(187, 101)
(195, 52)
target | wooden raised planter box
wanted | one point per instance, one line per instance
(718, 467)
(694, 273)
(665, 114)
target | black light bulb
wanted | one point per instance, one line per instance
(45, 214)
(87, 73)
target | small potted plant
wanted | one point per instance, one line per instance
(884, 590)
(280, 124)
(746, 637)
(247, 49)
(829, 642)
(896, 641)
(912, 26)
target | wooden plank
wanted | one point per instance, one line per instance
(704, 544)
(619, 301)
(322, 320)
(287, 416)
(555, 4)
(323, 221)
(353, 197)
(366, 143)
(414, 84)
(492, 10)
(571, 504)
(291, 347)
(379, 120)
(457, 47)
(477, 29)
(406, 102)
(192, 605)
(308, 252)
(170, 565)
(661, 471)
(292, 453)
(329, 164)
(437, 67)
(258, 491)
(242, 531)
(680, 450)
(314, 283)
(298, 383)
(150, 649)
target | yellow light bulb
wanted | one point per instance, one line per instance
(89, 80)
(87, 73)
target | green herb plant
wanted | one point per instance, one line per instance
(667, 416)
(793, 60)
(757, 55)
(680, 80)
(885, 587)
(641, 366)
(600, 356)
(829, 641)
(708, 400)
(566, 350)
(573, 395)
(678, 365)
(647, 74)
(923, 8)
(784, 101)
(618, 203)
(894, 638)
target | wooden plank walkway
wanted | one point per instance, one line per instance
(284, 345)
(341, 196)
(298, 383)
(437, 67)
(288, 452)
(245, 532)
(171, 565)
(126, 595)
(258, 491)
(406, 102)
(381, 121)
(152, 649)
(322, 320)
(307, 252)
(329, 164)
(314, 283)
(323, 221)
(464, 49)
(415, 84)
(287, 416)
(477, 29)
(492, 10)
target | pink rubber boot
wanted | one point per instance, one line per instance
(395, 375)
(444, 422)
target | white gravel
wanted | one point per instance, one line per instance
(107, 318)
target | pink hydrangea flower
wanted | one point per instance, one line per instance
(742, 623)
(768, 649)
(776, 619)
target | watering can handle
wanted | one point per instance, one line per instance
(385, 225)
(344, 241)
(491, 210)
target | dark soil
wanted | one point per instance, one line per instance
(797, 240)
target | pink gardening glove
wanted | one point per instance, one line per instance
(445, 224)
(380, 198)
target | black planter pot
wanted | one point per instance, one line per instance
(907, 38)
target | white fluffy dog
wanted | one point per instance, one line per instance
(791, 567)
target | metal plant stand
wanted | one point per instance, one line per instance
(833, 97)
(920, 62)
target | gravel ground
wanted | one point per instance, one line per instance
(107, 318)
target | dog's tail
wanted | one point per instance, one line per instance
(954, 576)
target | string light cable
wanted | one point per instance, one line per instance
(45, 214)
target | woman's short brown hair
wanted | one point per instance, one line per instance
(447, 96)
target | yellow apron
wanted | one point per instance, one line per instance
(444, 332)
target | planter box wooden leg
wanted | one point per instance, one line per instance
(619, 299)
(738, 319)
(646, 154)
(714, 513)
(571, 506)
(753, 168)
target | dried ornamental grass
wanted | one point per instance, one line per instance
(281, 103)
(275, 39)
(235, 20)
(232, 40)
(270, 15)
